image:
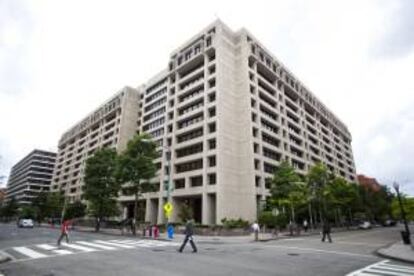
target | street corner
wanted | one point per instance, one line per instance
(398, 251)
(4, 258)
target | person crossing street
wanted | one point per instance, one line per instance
(189, 231)
(326, 231)
(64, 232)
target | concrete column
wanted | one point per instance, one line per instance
(160, 217)
(124, 212)
(176, 209)
(205, 209)
(151, 210)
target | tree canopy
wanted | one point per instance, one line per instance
(136, 167)
(101, 185)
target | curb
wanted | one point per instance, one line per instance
(4, 259)
(388, 256)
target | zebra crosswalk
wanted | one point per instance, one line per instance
(387, 268)
(45, 250)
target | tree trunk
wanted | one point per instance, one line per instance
(310, 215)
(98, 224)
(134, 221)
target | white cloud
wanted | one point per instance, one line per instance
(63, 58)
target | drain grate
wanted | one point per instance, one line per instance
(293, 254)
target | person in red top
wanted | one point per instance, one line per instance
(64, 232)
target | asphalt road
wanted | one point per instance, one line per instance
(34, 253)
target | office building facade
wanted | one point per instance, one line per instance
(111, 125)
(225, 113)
(30, 176)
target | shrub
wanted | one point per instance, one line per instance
(268, 219)
(234, 223)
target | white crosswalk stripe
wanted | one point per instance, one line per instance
(54, 249)
(96, 245)
(79, 247)
(29, 252)
(385, 268)
(114, 244)
(51, 250)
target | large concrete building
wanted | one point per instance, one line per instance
(110, 125)
(225, 113)
(30, 176)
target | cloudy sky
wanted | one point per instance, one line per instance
(61, 59)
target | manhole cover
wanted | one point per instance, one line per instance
(158, 250)
(209, 248)
(293, 254)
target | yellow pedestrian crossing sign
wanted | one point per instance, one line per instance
(168, 208)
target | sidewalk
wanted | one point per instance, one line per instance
(3, 258)
(399, 251)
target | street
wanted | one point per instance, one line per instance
(34, 252)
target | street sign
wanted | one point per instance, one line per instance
(168, 208)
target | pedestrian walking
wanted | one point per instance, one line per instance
(256, 229)
(64, 232)
(326, 231)
(189, 231)
(305, 225)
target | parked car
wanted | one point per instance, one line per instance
(365, 225)
(389, 222)
(25, 223)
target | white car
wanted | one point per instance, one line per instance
(365, 225)
(23, 223)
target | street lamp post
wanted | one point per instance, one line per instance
(168, 152)
(407, 230)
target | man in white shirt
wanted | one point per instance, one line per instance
(256, 229)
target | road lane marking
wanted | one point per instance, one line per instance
(114, 244)
(397, 267)
(79, 247)
(29, 252)
(96, 245)
(322, 251)
(384, 268)
(46, 246)
(54, 249)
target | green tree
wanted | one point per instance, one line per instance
(135, 168)
(10, 209)
(186, 212)
(27, 212)
(101, 185)
(408, 205)
(339, 195)
(75, 210)
(287, 189)
(317, 178)
(40, 205)
(54, 204)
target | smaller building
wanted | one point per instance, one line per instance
(369, 182)
(30, 176)
(2, 195)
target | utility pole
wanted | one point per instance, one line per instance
(407, 230)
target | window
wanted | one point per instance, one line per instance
(212, 112)
(212, 161)
(208, 41)
(212, 179)
(256, 164)
(212, 83)
(257, 181)
(189, 166)
(196, 181)
(212, 144)
(212, 97)
(212, 127)
(179, 183)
